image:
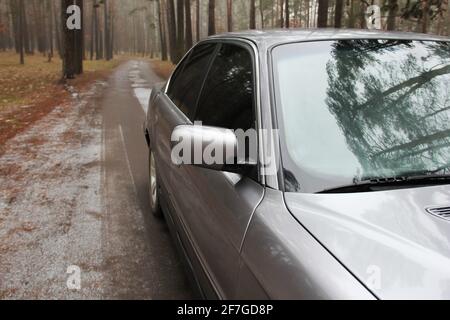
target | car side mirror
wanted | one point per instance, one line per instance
(212, 148)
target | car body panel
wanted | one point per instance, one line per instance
(274, 37)
(282, 260)
(386, 238)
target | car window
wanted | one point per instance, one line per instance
(362, 110)
(227, 99)
(188, 79)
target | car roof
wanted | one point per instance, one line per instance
(279, 36)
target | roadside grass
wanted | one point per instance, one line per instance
(20, 84)
(24, 84)
(29, 92)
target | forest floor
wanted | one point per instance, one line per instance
(31, 91)
(74, 186)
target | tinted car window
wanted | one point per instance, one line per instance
(227, 98)
(358, 110)
(188, 79)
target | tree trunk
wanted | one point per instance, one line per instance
(57, 28)
(112, 30)
(180, 29)
(281, 12)
(106, 30)
(92, 45)
(447, 20)
(212, 17)
(252, 14)
(362, 15)
(425, 15)
(197, 20)
(261, 12)
(15, 22)
(162, 38)
(322, 18)
(287, 14)
(230, 15)
(79, 40)
(98, 38)
(68, 47)
(21, 31)
(2, 30)
(338, 13)
(392, 15)
(35, 30)
(101, 42)
(187, 11)
(272, 15)
(308, 7)
(27, 41)
(50, 30)
(34, 27)
(172, 30)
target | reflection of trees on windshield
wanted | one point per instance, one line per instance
(392, 101)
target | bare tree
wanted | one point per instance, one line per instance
(93, 23)
(27, 41)
(287, 14)
(49, 9)
(162, 37)
(172, 30)
(261, 13)
(281, 12)
(98, 35)
(230, 15)
(79, 40)
(322, 18)
(107, 32)
(21, 31)
(197, 20)
(180, 29)
(56, 18)
(338, 11)
(392, 14)
(252, 14)
(426, 6)
(188, 19)
(212, 17)
(167, 28)
(68, 43)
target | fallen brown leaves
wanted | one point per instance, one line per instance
(29, 92)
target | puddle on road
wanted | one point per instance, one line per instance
(141, 87)
(143, 95)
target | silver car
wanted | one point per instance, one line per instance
(348, 196)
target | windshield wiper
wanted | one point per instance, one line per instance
(381, 183)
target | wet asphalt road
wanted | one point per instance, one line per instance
(73, 194)
(142, 260)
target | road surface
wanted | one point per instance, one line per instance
(156, 271)
(75, 220)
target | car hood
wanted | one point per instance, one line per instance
(387, 239)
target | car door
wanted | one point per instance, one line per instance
(175, 107)
(215, 207)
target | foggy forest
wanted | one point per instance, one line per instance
(165, 29)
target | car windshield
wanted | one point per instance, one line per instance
(354, 110)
